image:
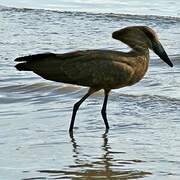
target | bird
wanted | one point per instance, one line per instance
(99, 69)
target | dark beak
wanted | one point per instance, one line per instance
(159, 50)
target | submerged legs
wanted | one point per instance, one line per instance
(76, 107)
(103, 110)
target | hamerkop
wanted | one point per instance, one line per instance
(99, 69)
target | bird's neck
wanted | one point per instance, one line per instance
(139, 63)
(141, 51)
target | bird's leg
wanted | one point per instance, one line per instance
(103, 110)
(77, 105)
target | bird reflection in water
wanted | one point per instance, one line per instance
(104, 167)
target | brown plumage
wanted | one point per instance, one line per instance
(99, 69)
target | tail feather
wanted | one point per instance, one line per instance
(27, 60)
(22, 67)
(34, 57)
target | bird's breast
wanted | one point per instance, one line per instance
(139, 70)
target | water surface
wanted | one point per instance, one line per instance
(144, 139)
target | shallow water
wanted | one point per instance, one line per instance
(143, 141)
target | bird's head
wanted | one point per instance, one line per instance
(142, 37)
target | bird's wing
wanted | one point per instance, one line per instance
(87, 68)
(96, 69)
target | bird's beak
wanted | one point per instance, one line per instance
(159, 50)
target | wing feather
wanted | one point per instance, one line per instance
(98, 68)
(94, 71)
